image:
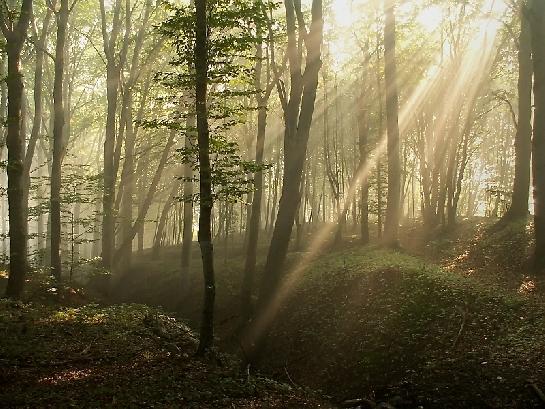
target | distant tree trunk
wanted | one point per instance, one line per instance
(58, 141)
(128, 176)
(38, 104)
(255, 217)
(206, 339)
(128, 184)
(380, 99)
(145, 205)
(114, 64)
(142, 172)
(15, 34)
(391, 226)
(523, 138)
(108, 221)
(275, 190)
(363, 133)
(361, 174)
(160, 233)
(187, 235)
(76, 246)
(538, 142)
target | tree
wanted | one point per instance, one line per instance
(205, 178)
(537, 23)
(114, 64)
(298, 109)
(391, 224)
(523, 137)
(40, 46)
(59, 136)
(15, 33)
(363, 144)
(264, 86)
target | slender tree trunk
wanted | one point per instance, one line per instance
(108, 221)
(363, 131)
(255, 217)
(391, 226)
(206, 339)
(523, 138)
(538, 141)
(160, 232)
(128, 184)
(114, 64)
(38, 105)
(298, 114)
(187, 235)
(379, 138)
(58, 141)
(18, 226)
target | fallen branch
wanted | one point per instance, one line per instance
(288, 375)
(465, 313)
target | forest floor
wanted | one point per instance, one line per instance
(452, 320)
(121, 356)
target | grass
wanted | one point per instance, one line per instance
(445, 329)
(385, 324)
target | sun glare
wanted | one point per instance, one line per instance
(474, 65)
(343, 13)
(430, 18)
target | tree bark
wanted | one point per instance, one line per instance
(298, 119)
(254, 223)
(114, 63)
(523, 138)
(206, 338)
(15, 35)
(298, 113)
(538, 142)
(59, 143)
(187, 234)
(38, 105)
(391, 225)
(363, 133)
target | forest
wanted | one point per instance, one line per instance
(272, 204)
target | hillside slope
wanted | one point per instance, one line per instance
(121, 356)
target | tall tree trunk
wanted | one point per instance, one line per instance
(254, 223)
(380, 99)
(206, 339)
(128, 184)
(255, 218)
(523, 138)
(187, 235)
(15, 35)
(38, 105)
(298, 118)
(391, 225)
(114, 64)
(298, 114)
(538, 142)
(363, 133)
(58, 141)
